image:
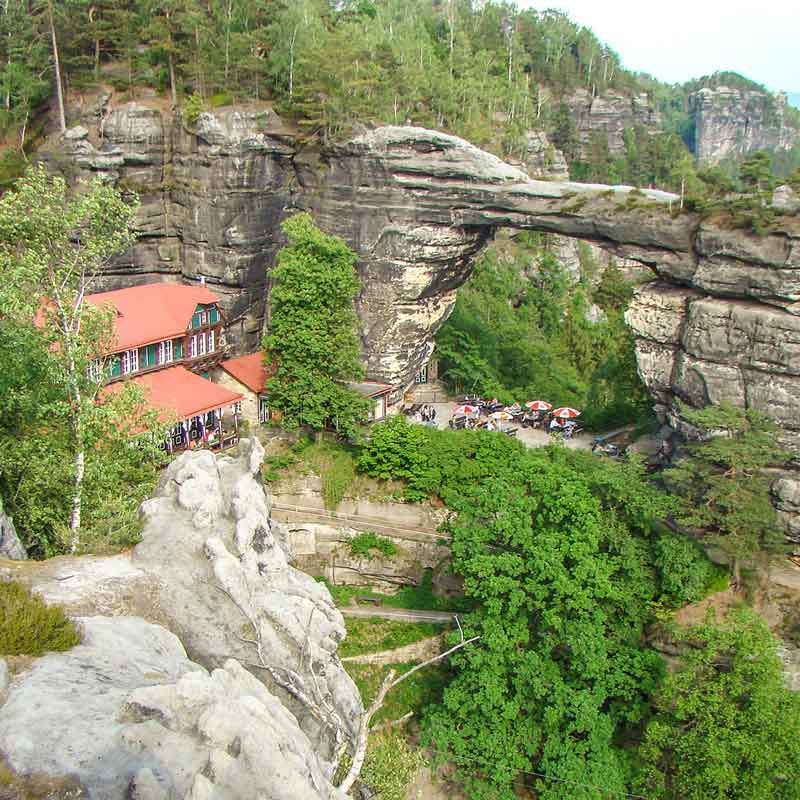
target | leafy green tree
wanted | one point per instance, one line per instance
(66, 448)
(726, 727)
(553, 558)
(722, 485)
(313, 335)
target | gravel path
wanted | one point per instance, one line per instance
(399, 614)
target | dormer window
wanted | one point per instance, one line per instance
(205, 316)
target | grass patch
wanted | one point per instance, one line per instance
(369, 544)
(375, 634)
(29, 627)
(334, 462)
(415, 693)
(419, 598)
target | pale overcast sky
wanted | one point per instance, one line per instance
(675, 40)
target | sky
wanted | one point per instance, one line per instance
(675, 40)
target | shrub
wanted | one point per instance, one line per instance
(193, 108)
(29, 627)
(684, 570)
(365, 543)
(389, 766)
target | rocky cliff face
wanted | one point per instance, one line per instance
(609, 115)
(417, 206)
(208, 666)
(731, 122)
(10, 545)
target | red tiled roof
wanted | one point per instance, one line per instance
(251, 371)
(152, 312)
(178, 391)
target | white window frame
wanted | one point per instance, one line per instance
(95, 369)
(422, 375)
(211, 341)
(165, 352)
(192, 346)
(264, 414)
(130, 362)
(237, 407)
(202, 344)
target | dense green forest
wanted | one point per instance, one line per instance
(521, 330)
(484, 70)
(570, 581)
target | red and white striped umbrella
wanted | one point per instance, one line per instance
(539, 405)
(565, 412)
(466, 408)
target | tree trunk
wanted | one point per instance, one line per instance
(228, 41)
(291, 61)
(62, 119)
(75, 520)
(172, 89)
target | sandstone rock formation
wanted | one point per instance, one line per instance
(543, 160)
(260, 701)
(731, 122)
(609, 115)
(417, 206)
(10, 545)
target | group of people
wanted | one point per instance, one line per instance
(426, 415)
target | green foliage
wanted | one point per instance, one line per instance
(722, 485)
(726, 726)
(555, 552)
(29, 627)
(313, 331)
(685, 572)
(375, 635)
(522, 338)
(390, 766)
(193, 108)
(365, 543)
(59, 446)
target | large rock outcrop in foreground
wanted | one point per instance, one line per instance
(208, 666)
(417, 206)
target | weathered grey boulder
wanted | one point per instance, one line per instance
(211, 570)
(10, 545)
(129, 715)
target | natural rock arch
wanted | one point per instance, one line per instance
(723, 322)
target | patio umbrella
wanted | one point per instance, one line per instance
(565, 412)
(539, 405)
(466, 408)
(501, 415)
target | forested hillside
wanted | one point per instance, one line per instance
(483, 70)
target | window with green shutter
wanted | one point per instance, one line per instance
(178, 349)
(196, 319)
(214, 315)
(116, 369)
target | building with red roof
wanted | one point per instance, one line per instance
(168, 338)
(157, 325)
(247, 375)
